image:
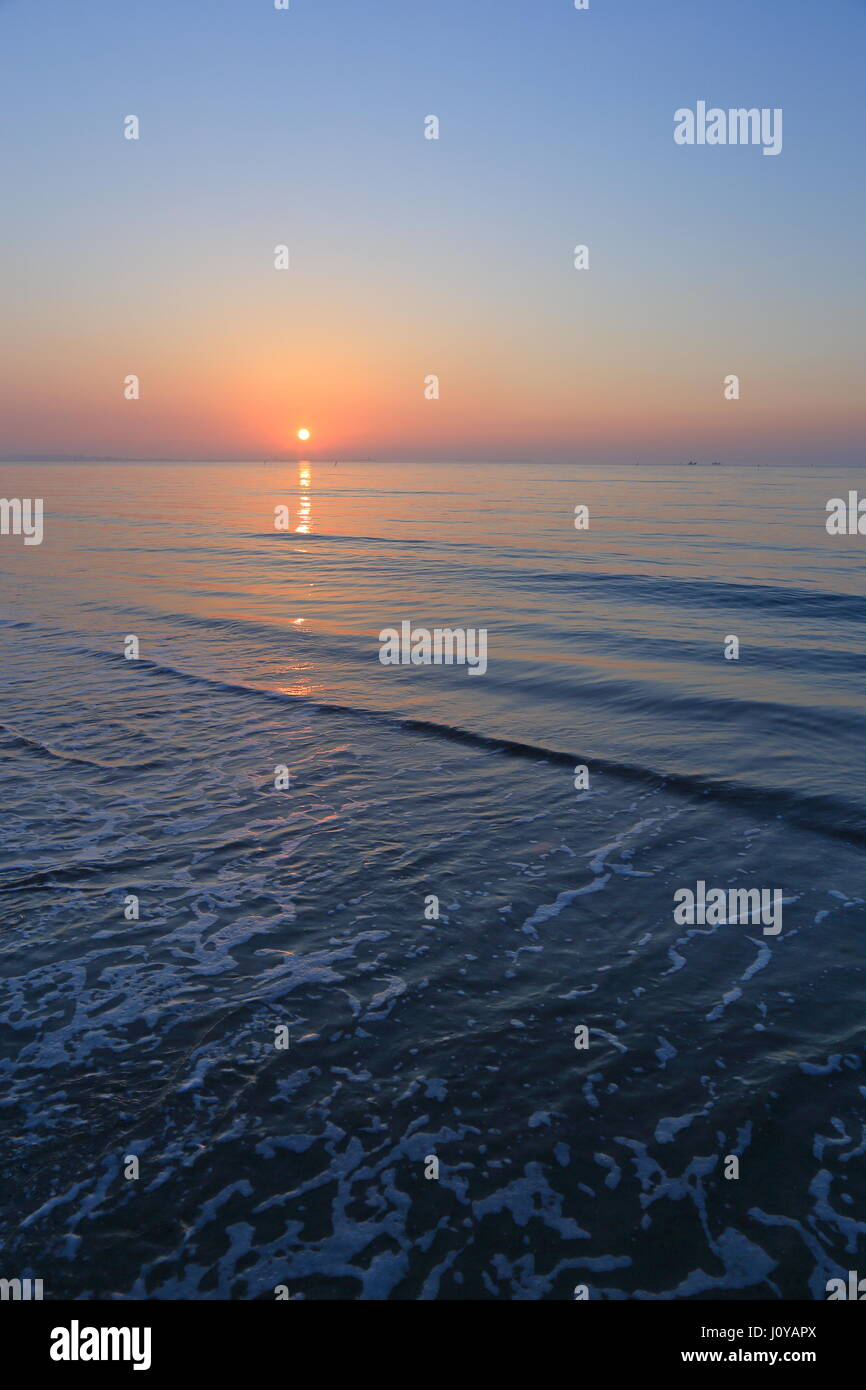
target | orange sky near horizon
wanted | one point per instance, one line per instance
(411, 258)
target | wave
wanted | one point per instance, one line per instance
(685, 591)
(14, 738)
(831, 816)
(670, 650)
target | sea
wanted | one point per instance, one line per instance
(322, 978)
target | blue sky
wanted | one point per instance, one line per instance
(306, 126)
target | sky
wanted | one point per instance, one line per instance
(411, 258)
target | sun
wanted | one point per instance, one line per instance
(303, 433)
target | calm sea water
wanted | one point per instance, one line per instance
(305, 907)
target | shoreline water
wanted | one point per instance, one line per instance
(153, 1037)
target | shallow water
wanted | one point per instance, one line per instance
(306, 906)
